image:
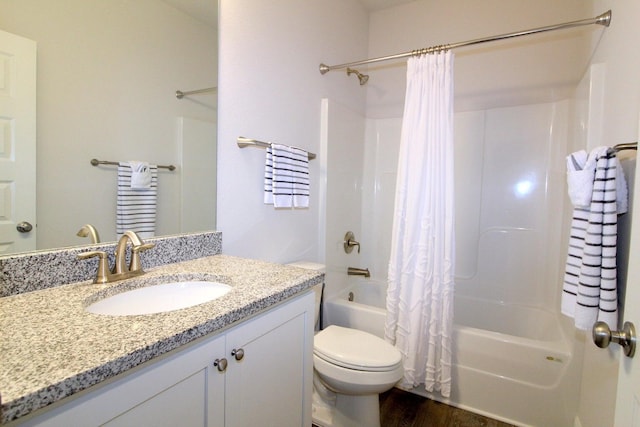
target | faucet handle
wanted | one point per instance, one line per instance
(102, 275)
(350, 242)
(135, 263)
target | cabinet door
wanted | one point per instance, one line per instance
(271, 384)
(184, 389)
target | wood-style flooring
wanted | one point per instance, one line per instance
(402, 409)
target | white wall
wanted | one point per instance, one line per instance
(107, 76)
(271, 90)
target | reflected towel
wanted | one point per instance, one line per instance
(140, 175)
(136, 209)
(286, 177)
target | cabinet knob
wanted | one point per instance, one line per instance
(237, 353)
(221, 364)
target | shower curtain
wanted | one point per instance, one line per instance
(421, 267)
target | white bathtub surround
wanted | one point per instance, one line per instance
(510, 180)
(421, 266)
(590, 289)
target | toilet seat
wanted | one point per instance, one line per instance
(355, 349)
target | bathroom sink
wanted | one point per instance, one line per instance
(159, 298)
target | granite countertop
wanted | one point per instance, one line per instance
(50, 347)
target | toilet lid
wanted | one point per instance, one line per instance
(355, 349)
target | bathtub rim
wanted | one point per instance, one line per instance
(561, 342)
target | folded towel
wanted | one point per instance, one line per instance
(136, 208)
(286, 177)
(590, 281)
(580, 178)
(140, 175)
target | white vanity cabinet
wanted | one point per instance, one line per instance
(267, 380)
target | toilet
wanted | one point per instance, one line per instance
(350, 369)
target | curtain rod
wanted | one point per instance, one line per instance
(603, 19)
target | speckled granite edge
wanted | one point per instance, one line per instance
(34, 271)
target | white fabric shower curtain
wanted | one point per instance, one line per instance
(421, 267)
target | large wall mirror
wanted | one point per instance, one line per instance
(107, 72)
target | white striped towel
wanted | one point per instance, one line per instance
(136, 208)
(286, 177)
(590, 280)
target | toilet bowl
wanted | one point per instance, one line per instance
(351, 368)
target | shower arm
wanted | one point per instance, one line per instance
(603, 19)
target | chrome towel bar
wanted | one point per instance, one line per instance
(96, 162)
(248, 142)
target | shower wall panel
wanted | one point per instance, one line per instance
(509, 194)
(343, 132)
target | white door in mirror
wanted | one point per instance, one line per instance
(17, 143)
(159, 298)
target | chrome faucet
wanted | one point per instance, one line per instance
(352, 271)
(89, 230)
(120, 269)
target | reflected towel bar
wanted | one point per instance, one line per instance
(248, 142)
(96, 162)
(180, 94)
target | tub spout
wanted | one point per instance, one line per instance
(352, 271)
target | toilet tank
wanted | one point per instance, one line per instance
(308, 265)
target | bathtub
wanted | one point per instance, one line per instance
(509, 361)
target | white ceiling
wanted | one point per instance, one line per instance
(207, 10)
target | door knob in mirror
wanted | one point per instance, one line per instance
(24, 227)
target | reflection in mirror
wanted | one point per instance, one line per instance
(107, 75)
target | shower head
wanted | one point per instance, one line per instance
(362, 77)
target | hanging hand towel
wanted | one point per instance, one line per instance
(140, 175)
(286, 177)
(268, 177)
(590, 281)
(136, 209)
(580, 172)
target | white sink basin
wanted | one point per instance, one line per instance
(159, 298)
